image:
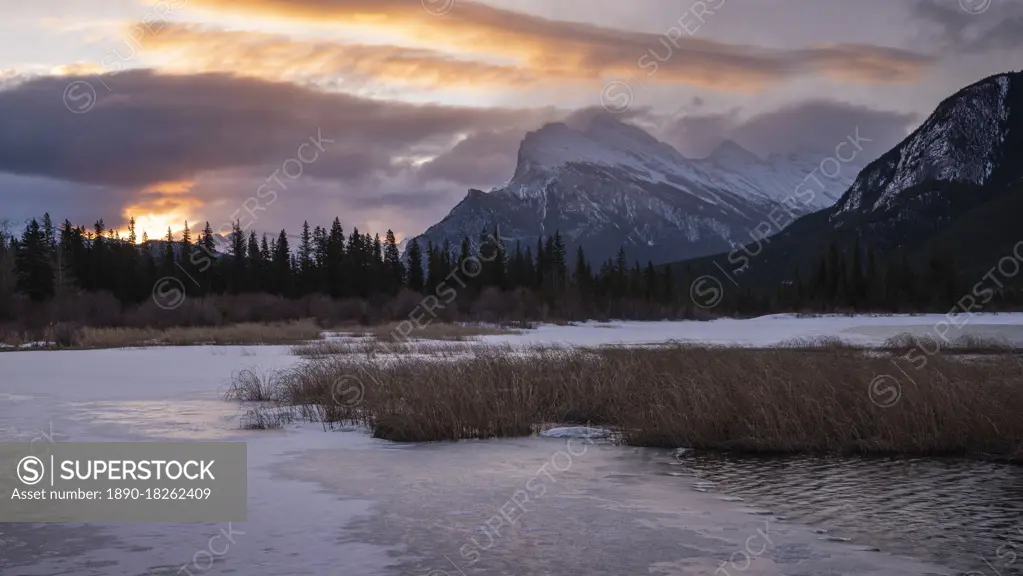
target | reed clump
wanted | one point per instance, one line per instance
(827, 398)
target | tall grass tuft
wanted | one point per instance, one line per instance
(827, 398)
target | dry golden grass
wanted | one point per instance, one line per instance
(372, 347)
(930, 344)
(397, 332)
(377, 340)
(785, 400)
(236, 334)
(818, 343)
(61, 335)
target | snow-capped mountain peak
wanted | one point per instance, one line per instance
(605, 141)
(607, 183)
(963, 141)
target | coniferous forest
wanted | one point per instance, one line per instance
(65, 273)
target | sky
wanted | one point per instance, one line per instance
(385, 112)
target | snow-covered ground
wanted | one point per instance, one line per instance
(770, 330)
(343, 503)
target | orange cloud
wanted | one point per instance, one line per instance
(575, 50)
(162, 206)
(185, 48)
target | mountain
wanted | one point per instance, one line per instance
(611, 184)
(954, 187)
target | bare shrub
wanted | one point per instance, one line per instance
(267, 417)
(10, 336)
(979, 344)
(903, 343)
(818, 343)
(254, 385)
(66, 334)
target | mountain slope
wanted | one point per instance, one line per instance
(612, 185)
(947, 186)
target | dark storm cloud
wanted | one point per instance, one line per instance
(998, 27)
(816, 125)
(486, 158)
(23, 197)
(151, 128)
(481, 159)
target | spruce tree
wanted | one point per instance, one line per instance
(334, 272)
(558, 264)
(378, 275)
(416, 279)
(650, 281)
(254, 263)
(392, 263)
(282, 265)
(238, 248)
(32, 262)
(582, 271)
(167, 268)
(305, 259)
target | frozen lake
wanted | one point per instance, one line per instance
(775, 329)
(343, 503)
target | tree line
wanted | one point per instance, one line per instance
(862, 280)
(47, 262)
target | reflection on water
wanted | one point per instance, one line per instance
(963, 514)
(163, 419)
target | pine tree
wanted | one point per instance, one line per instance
(98, 259)
(558, 265)
(650, 282)
(392, 263)
(69, 251)
(857, 285)
(208, 244)
(416, 278)
(517, 268)
(132, 238)
(668, 285)
(378, 275)
(871, 280)
(320, 259)
(355, 258)
(49, 235)
(530, 276)
(8, 274)
(204, 261)
(238, 249)
(305, 259)
(254, 263)
(282, 265)
(167, 268)
(582, 271)
(447, 266)
(621, 274)
(185, 261)
(265, 252)
(335, 269)
(540, 269)
(32, 262)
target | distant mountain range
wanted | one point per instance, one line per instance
(612, 185)
(954, 186)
